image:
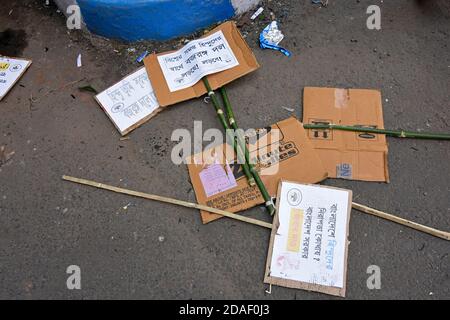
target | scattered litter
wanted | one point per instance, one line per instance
(126, 206)
(10, 11)
(5, 156)
(323, 3)
(257, 13)
(131, 50)
(142, 56)
(65, 210)
(288, 109)
(11, 69)
(304, 210)
(124, 138)
(130, 102)
(87, 88)
(270, 37)
(79, 61)
(161, 238)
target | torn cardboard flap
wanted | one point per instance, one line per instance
(246, 58)
(347, 155)
(288, 154)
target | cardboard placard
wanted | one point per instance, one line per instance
(309, 240)
(130, 102)
(197, 59)
(348, 155)
(242, 52)
(11, 69)
(286, 155)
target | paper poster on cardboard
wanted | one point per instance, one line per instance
(11, 69)
(347, 155)
(130, 102)
(198, 58)
(233, 40)
(217, 178)
(308, 247)
(281, 151)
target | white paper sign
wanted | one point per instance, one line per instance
(129, 101)
(11, 69)
(310, 243)
(195, 60)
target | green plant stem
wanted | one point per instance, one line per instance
(391, 133)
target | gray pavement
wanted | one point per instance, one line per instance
(47, 224)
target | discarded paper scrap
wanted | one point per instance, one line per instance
(130, 102)
(347, 155)
(11, 69)
(308, 245)
(288, 154)
(232, 44)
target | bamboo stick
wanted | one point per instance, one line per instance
(404, 222)
(241, 142)
(392, 133)
(362, 208)
(268, 200)
(237, 148)
(168, 200)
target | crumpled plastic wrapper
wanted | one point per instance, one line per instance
(270, 37)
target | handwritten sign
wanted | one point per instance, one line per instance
(130, 102)
(185, 67)
(11, 69)
(215, 179)
(309, 246)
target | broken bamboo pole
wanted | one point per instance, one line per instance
(404, 222)
(167, 200)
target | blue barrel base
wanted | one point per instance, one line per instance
(134, 20)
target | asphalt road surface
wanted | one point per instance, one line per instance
(47, 225)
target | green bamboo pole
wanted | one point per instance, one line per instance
(237, 149)
(233, 124)
(392, 133)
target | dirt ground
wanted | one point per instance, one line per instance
(54, 129)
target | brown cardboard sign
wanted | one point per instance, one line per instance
(309, 241)
(283, 152)
(242, 52)
(348, 155)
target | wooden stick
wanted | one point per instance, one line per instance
(168, 200)
(407, 223)
(365, 209)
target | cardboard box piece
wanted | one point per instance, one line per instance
(243, 53)
(348, 155)
(290, 151)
